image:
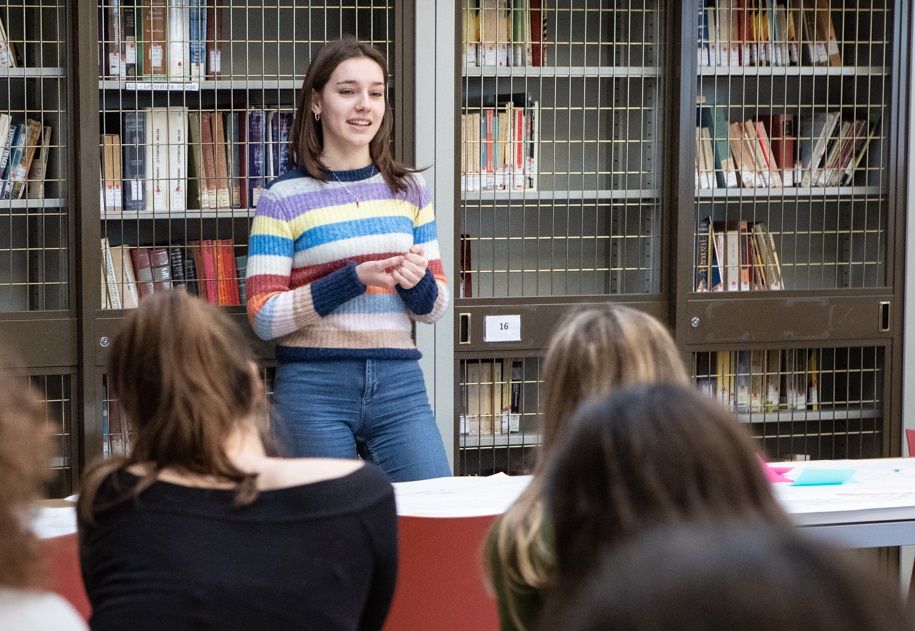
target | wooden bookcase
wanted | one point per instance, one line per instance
(38, 300)
(54, 313)
(812, 363)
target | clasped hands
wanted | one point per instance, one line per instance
(405, 270)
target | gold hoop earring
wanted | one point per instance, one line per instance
(317, 116)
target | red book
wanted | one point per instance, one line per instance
(208, 259)
(160, 265)
(781, 139)
(214, 39)
(538, 34)
(142, 269)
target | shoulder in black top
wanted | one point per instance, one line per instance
(317, 556)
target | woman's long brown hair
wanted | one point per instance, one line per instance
(185, 379)
(306, 140)
(25, 455)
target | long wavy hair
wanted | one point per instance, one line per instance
(185, 380)
(592, 352)
(645, 456)
(25, 455)
(307, 136)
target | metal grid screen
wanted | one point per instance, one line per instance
(56, 393)
(197, 102)
(117, 434)
(791, 145)
(561, 128)
(807, 403)
(499, 419)
(34, 218)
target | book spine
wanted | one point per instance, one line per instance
(257, 155)
(133, 147)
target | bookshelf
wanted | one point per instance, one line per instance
(587, 224)
(631, 194)
(37, 295)
(190, 148)
(828, 105)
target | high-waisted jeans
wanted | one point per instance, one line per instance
(376, 408)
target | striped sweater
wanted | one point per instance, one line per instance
(306, 240)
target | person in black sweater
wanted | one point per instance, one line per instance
(199, 527)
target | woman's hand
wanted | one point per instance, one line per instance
(413, 268)
(379, 273)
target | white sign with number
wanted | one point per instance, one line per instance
(502, 328)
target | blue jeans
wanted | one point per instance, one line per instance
(376, 408)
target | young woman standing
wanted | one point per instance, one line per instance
(342, 258)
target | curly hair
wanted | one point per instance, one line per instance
(25, 451)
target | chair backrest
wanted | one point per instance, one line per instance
(440, 578)
(910, 440)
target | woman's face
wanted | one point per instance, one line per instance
(351, 106)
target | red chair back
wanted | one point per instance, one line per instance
(440, 578)
(61, 555)
(910, 440)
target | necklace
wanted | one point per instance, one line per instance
(346, 188)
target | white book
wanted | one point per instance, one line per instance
(111, 279)
(7, 58)
(177, 159)
(157, 186)
(179, 47)
(126, 281)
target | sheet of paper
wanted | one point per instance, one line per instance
(54, 521)
(459, 496)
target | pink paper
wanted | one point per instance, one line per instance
(774, 474)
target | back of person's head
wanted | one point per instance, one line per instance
(25, 456)
(600, 349)
(185, 379)
(644, 456)
(737, 574)
(592, 352)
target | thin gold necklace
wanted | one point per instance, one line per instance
(347, 189)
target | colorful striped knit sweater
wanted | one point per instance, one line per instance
(306, 240)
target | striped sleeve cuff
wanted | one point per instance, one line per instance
(420, 299)
(333, 290)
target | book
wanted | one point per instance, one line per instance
(232, 158)
(14, 160)
(256, 155)
(160, 268)
(176, 266)
(142, 270)
(178, 41)
(126, 282)
(220, 166)
(214, 38)
(111, 173)
(18, 179)
(782, 136)
(703, 260)
(155, 15)
(133, 163)
(8, 57)
(39, 170)
(129, 35)
(196, 34)
(111, 279)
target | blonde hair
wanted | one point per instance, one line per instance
(25, 455)
(185, 379)
(593, 352)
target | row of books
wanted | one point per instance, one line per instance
(491, 404)
(207, 268)
(778, 149)
(116, 435)
(177, 40)
(766, 33)
(24, 149)
(232, 156)
(499, 148)
(760, 381)
(505, 33)
(736, 256)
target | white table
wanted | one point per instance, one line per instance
(875, 508)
